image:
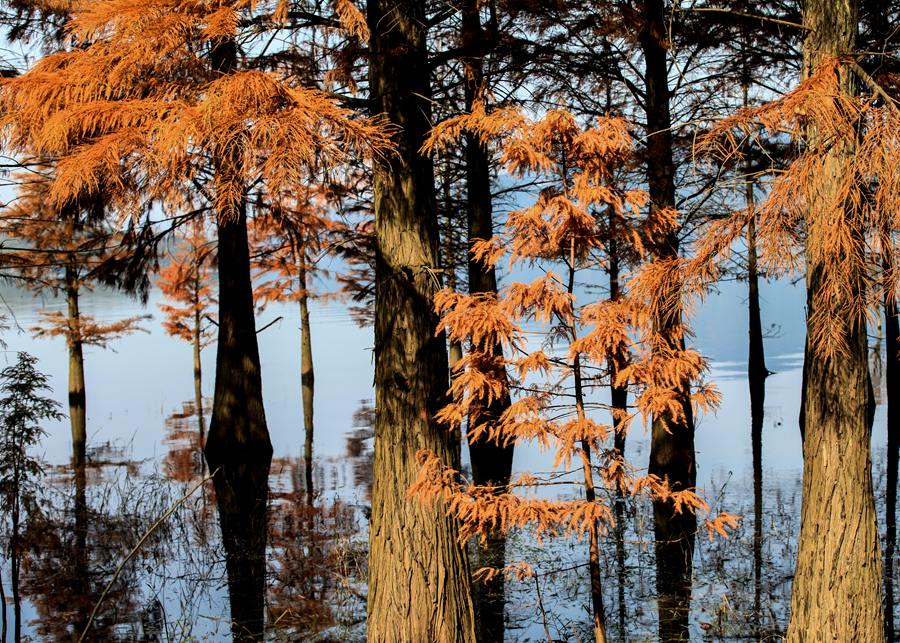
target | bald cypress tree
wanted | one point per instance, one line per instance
(418, 573)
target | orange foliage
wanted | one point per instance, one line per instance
(864, 190)
(187, 280)
(139, 109)
(557, 347)
(59, 250)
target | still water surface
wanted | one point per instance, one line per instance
(142, 443)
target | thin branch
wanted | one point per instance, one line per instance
(135, 549)
(741, 14)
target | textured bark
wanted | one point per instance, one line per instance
(491, 462)
(307, 380)
(672, 441)
(837, 593)
(77, 395)
(418, 572)
(238, 428)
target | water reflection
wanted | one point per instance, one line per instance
(74, 548)
(757, 417)
(242, 495)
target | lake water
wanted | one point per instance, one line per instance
(142, 449)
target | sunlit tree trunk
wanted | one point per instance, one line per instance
(491, 462)
(672, 441)
(77, 395)
(307, 378)
(238, 425)
(837, 593)
(418, 573)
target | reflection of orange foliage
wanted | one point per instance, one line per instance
(315, 557)
(73, 549)
(184, 460)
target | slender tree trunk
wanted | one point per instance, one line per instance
(237, 430)
(619, 402)
(418, 572)
(837, 593)
(672, 440)
(756, 361)
(15, 559)
(3, 615)
(491, 461)
(77, 396)
(307, 379)
(598, 613)
(198, 369)
(756, 375)
(892, 386)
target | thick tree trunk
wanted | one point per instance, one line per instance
(892, 386)
(238, 428)
(307, 380)
(491, 462)
(672, 441)
(77, 395)
(837, 593)
(418, 572)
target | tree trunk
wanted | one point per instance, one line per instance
(15, 553)
(892, 387)
(837, 593)
(198, 369)
(3, 616)
(597, 611)
(77, 396)
(756, 373)
(307, 379)
(672, 441)
(418, 572)
(619, 403)
(491, 461)
(238, 426)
